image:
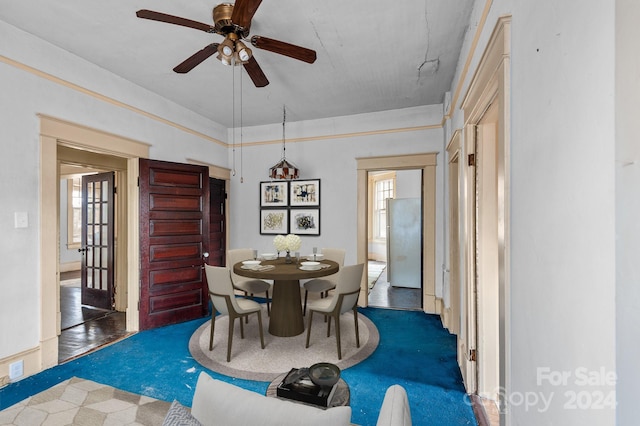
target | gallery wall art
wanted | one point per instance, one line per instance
(290, 207)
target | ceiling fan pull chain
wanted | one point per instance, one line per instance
(233, 118)
(241, 156)
(284, 118)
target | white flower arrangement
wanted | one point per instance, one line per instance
(279, 243)
(293, 242)
(289, 243)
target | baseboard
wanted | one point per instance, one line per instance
(439, 306)
(31, 364)
(479, 411)
(377, 257)
(70, 266)
(445, 316)
(429, 304)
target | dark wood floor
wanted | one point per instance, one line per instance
(84, 328)
(384, 295)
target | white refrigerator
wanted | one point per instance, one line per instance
(404, 242)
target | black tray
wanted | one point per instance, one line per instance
(304, 390)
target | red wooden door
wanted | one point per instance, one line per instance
(174, 235)
(97, 248)
(217, 225)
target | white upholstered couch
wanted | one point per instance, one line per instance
(219, 403)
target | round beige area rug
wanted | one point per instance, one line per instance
(249, 361)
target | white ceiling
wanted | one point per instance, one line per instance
(372, 55)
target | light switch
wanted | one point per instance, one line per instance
(21, 219)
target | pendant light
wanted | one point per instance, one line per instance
(284, 169)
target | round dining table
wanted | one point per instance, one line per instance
(286, 303)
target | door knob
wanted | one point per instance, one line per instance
(205, 256)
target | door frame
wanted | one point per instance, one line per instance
(224, 174)
(427, 163)
(487, 253)
(452, 314)
(490, 85)
(54, 133)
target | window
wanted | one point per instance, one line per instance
(74, 212)
(384, 187)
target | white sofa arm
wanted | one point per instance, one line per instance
(395, 408)
(219, 403)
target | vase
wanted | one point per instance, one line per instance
(287, 258)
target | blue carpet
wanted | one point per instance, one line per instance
(414, 351)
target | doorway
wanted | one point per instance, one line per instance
(484, 226)
(217, 222)
(55, 134)
(88, 201)
(486, 220)
(394, 240)
(426, 163)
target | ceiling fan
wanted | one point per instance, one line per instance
(233, 21)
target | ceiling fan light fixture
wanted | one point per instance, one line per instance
(227, 51)
(226, 60)
(244, 53)
(226, 47)
(232, 21)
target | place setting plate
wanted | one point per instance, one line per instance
(254, 265)
(310, 266)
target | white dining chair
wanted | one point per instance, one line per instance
(325, 284)
(344, 299)
(225, 302)
(250, 286)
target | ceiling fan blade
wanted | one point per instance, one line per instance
(286, 49)
(196, 59)
(243, 11)
(163, 17)
(255, 72)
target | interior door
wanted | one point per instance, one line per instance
(97, 266)
(487, 253)
(217, 222)
(454, 242)
(174, 236)
(468, 324)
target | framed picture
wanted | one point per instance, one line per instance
(274, 194)
(305, 221)
(274, 221)
(304, 193)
